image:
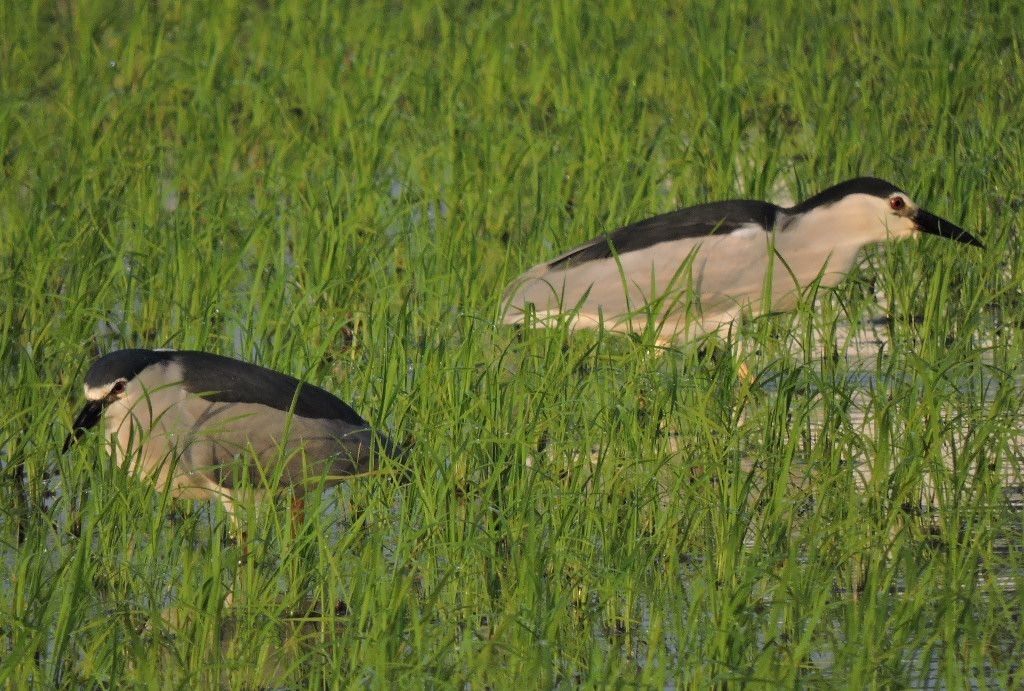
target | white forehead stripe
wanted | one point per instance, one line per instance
(94, 393)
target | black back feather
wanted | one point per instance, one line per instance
(708, 219)
(225, 380)
(693, 222)
(871, 186)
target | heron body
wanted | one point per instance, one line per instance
(692, 271)
(195, 423)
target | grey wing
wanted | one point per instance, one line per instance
(276, 448)
(330, 452)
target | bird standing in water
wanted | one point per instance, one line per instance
(692, 271)
(196, 423)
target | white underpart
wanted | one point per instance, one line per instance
(141, 434)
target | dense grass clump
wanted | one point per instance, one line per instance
(342, 190)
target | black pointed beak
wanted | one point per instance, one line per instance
(932, 224)
(86, 420)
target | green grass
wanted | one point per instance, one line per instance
(342, 194)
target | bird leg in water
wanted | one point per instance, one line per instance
(298, 514)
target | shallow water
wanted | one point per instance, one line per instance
(867, 343)
(288, 637)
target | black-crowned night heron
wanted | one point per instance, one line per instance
(689, 272)
(197, 423)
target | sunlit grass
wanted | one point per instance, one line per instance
(341, 191)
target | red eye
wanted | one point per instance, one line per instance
(118, 387)
(896, 202)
